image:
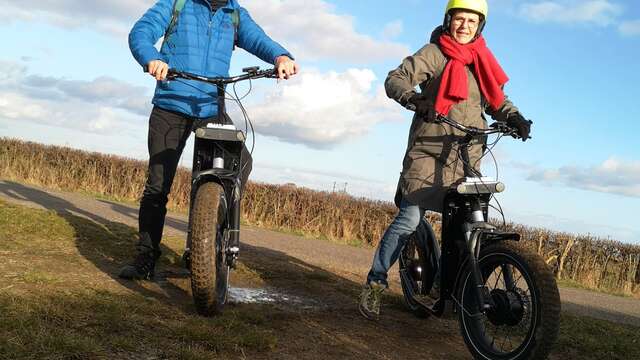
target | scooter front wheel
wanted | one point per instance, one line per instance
(209, 269)
(524, 319)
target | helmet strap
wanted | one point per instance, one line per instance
(446, 23)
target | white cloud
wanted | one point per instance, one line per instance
(323, 109)
(392, 29)
(102, 90)
(630, 28)
(316, 109)
(613, 176)
(102, 106)
(325, 181)
(576, 226)
(312, 30)
(114, 17)
(598, 12)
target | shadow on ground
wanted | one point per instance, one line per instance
(106, 244)
(132, 213)
(330, 328)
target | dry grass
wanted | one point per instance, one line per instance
(592, 262)
(59, 300)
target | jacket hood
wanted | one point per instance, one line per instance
(435, 35)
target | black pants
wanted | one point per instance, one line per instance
(168, 133)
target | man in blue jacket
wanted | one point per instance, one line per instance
(199, 40)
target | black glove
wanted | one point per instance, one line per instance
(418, 104)
(518, 122)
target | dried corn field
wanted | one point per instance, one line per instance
(591, 262)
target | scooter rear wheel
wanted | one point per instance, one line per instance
(416, 275)
(209, 269)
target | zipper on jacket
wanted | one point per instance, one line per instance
(206, 54)
(210, 18)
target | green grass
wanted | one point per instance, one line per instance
(58, 302)
(40, 277)
(99, 324)
(48, 312)
(588, 338)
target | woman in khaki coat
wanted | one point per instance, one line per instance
(459, 78)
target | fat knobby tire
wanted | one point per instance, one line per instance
(206, 218)
(546, 288)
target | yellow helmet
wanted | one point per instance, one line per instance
(479, 6)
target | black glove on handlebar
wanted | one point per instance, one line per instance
(418, 104)
(518, 122)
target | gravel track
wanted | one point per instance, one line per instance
(347, 261)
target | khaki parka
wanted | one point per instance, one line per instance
(431, 164)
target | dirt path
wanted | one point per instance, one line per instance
(348, 262)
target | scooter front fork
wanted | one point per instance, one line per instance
(473, 231)
(233, 231)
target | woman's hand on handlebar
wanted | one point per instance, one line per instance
(418, 104)
(522, 126)
(285, 67)
(158, 69)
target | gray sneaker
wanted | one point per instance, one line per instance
(370, 297)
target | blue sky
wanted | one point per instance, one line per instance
(67, 78)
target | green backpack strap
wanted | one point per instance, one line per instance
(178, 5)
(235, 19)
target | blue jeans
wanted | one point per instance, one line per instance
(405, 223)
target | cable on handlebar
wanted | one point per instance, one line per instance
(250, 74)
(498, 128)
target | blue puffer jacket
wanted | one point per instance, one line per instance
(201, 44)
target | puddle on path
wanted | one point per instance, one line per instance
(269, 296)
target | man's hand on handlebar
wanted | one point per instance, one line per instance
(158, 69)
(285, 67)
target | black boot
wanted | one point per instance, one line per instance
(142, 267)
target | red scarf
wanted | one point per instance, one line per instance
(454, 87)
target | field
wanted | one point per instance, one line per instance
(60, 299)
(579, 260)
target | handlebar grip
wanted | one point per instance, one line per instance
(251, 69)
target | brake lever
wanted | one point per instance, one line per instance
(273, 74)
(500, 125)
(507, 130)
(504, 129)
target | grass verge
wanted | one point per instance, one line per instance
(49, 311)
(588, 338)
(58, 300)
